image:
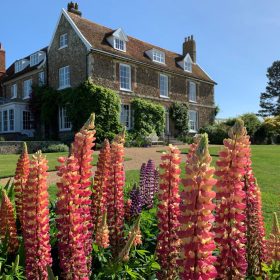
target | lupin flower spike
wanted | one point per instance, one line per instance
(273, 242)
(72, 258)
(230, 226)
(8, 230)
(36, 220)
(168, 213)
(197, 239)
(102, 233)
(21, 176)
(115, 210)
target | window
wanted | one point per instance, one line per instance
(5, 120)
(125, 77)
(193, 121)
(11, 119)
(14, 91)
(126, 115)
(158, 56)
(163, 85)
(26, 120)
(18, 66)
(27, 88)
(34, 59)
(1, 124)
(64, 121)
(64, 77)
(192, 91)
(41, 78)
(63, 40)
(188, 64)
(119, 44)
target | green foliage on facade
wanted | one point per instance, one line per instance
(79, 103)
(149, 117)
(179, 113)
(88, 97)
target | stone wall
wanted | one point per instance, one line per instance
(15, 147)
(74, 56)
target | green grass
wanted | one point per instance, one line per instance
(8, 162)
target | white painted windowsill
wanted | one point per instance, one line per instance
(63, 47)
(163, 96)
(64, 87)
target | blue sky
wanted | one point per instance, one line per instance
(236, 40)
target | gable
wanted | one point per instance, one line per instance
(64, 16)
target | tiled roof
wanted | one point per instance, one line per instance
(96, 35)
(10, 73)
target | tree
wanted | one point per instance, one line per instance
(270, 99)
(180, 116)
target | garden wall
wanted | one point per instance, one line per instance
(15, 147)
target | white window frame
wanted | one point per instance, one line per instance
(11, 120)
(27, 88)
(128, 67)
(13, 91)
(192, 92)
(63, 41)
(126, 123)
(18, 66)
(119, 44)
(5, 120)
(159, 56)
(64, 77)
(26, 121)
(193, 124)
(164, 86)
(64, 124)
(188, 64)
(41, 78)
(34, 59)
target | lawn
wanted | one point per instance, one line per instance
(8, 162)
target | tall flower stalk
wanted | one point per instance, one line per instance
(99, 196)
(115, 194)
(72, 258)
(82, 149)
(255, 235)
(197, 239)
(273, 242)
(230, 225)
(36, 220)
(8, 230)
(168, 213)
(21, 175)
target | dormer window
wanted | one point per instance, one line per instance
(18, 66)
(119, 45)
(118, 40)
(63, 41)
(158, 56)
(188, 64)
(34, 59)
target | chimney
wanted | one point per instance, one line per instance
(2, 61)
(73, 8)
(189, 46)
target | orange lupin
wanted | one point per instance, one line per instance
(36, 220)
(8, 230)
(21, 176)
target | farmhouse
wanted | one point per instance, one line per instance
(80, 49)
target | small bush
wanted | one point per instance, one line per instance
(185, 138)
(56, 148)
(216, 133)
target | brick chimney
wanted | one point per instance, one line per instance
(189, 46)
(2, 61)
(73, 8)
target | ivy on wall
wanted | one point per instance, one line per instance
(179, 113)
(149, 117)
(79, 103)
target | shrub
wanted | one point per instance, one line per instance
(148, 117)
(56, 148)
(216, 132)
(179, 113)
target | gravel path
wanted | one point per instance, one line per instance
(137, 156)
